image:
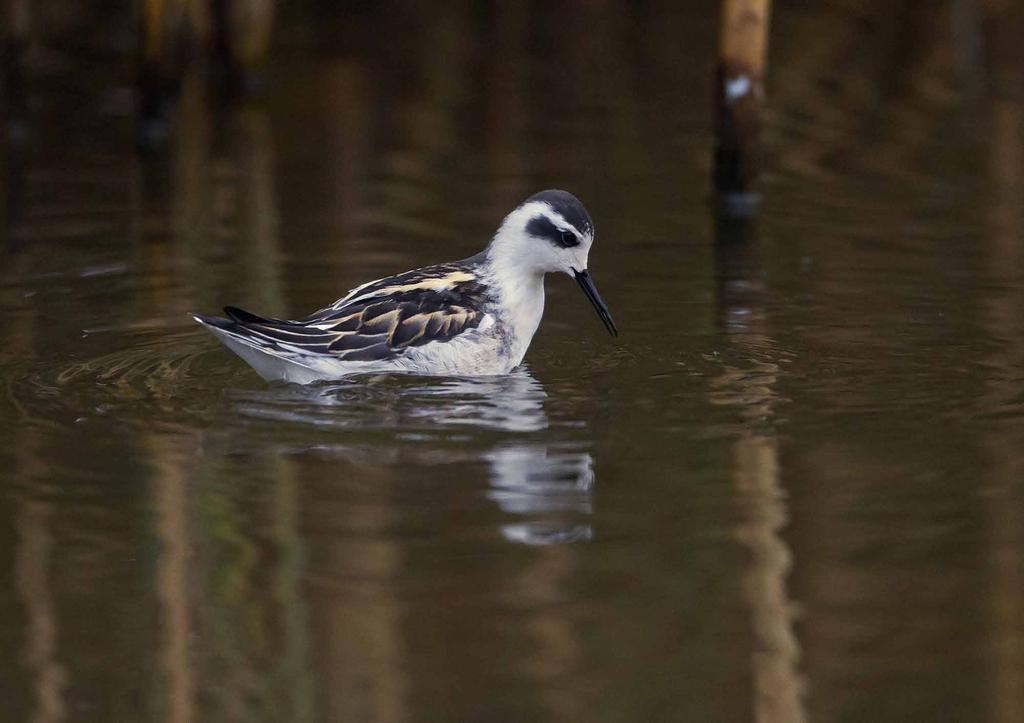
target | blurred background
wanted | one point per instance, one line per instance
(792, 489)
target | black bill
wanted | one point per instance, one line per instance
(587, 284)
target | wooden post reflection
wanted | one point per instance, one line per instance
(558, 651)
(32, 563)
(358, 628)
(172, 574)
(345, 90)
(33, 556)
(549, 489)
(778, 684)
(253, 152)
(222, 196)
(1005, 319)
(193, 194)
(287, 591)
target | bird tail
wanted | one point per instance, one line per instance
(262, 342)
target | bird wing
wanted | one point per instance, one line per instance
(378, 320)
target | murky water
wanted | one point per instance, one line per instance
(791, 489)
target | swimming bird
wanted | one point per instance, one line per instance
(473, 317)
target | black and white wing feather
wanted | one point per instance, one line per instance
(377, 321)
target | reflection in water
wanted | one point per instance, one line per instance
(551, 484)
(1004, 317)
(537, 481)
(778, 684)
(32, 576)
(513, 403)
(170, 496)
(231, 584)
(415, 405)
(34, 560)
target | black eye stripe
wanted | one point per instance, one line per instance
(541, 227)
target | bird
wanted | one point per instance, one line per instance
(468, 318)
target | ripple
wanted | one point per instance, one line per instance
(181, 377)
(158, 376)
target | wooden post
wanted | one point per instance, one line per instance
(739, 98)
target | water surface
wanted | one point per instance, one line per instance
(790, 490)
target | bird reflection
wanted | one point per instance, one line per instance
(407, 405)
(514, 402)
(547, 487)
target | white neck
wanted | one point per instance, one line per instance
(520, 287)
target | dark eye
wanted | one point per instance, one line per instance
(568, 238)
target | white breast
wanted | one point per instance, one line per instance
(519, 306)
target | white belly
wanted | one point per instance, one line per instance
(473, 353)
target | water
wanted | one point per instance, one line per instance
(790, 490)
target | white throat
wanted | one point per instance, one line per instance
(519, 283)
